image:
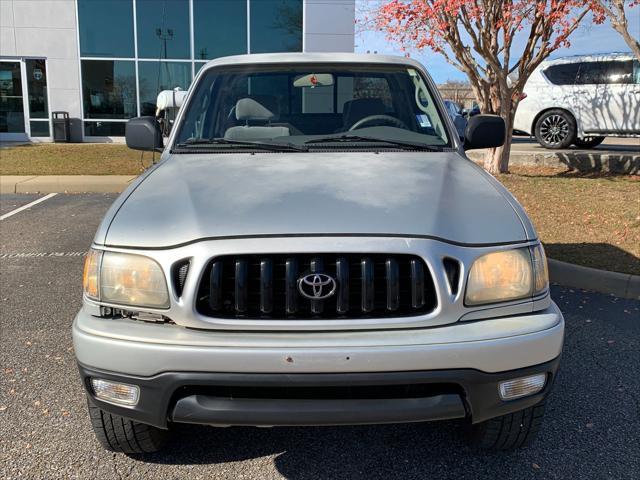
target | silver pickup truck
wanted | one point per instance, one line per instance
(314, 248)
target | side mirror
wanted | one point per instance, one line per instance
(143, 133)
(484, 131)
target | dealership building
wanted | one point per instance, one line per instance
(104, 61)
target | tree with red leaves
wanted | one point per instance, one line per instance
(614, 10)
(477, 37)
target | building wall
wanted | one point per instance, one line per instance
(45, 29)
(329, 25)
(49, 29)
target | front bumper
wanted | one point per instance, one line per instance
(203, 398)
(193, 376)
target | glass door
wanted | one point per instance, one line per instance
(12, 102)
(38, 98)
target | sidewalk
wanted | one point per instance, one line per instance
(64, 183)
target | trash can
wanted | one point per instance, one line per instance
(61, 127)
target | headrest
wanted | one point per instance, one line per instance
(257, 108)
(354, 110)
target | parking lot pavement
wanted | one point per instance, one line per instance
(11, 202)
(591, 429)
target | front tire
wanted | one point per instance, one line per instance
(555, 129)
(508, 432)
(119, 434)
(588, 142)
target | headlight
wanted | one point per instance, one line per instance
(540, 269)
(125, 279)
(499, 277)
(91, 274)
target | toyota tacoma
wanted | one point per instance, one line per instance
(314, 248)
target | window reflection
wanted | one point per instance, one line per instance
(11, 106)
(106, 28)
(39, 128)
(163, 28)
(276, 26)
(220, 28)
(104, 129)
(37, 88)
(157, 76)
(109, 89)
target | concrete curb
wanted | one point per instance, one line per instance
(625, 162)
(621, 285)
(64, 183)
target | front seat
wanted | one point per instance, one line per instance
(359, 108)
(257, 113)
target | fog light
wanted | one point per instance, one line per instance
(521, 387)
(118, 393)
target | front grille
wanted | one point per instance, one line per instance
(364, 286)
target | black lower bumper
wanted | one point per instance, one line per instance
(319, 399)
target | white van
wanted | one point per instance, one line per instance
(581, 100)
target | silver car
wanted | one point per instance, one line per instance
(314, 248)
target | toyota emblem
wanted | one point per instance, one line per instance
(316, 286)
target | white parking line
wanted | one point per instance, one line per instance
(28, 205)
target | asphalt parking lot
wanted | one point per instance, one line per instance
(591, 430)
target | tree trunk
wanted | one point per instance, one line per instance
(634, 45)
(496, 160)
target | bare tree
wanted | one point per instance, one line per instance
(477, 37)
(614, 10)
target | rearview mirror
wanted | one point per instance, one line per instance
(143, 133)
(314, 80)
(484, 131)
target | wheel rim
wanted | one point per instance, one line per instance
(554, 129)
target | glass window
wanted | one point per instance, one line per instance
(636, 72)
(39, 128)
(220, 28)
(104, 129)
(11, 107)
(37, 88)
(293, 104)
(276, 26)
(198, 66)
(163, 28)
(563, 74)
(157, 76)
(108, 89)
(611, 72)
(106, 28)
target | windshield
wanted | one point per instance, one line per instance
(312, 106)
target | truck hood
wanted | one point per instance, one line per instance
(413, 194)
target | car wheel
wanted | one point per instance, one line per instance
(508, 432)
(555, 129)
(119, 434)
(588, 142)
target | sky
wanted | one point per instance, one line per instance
(587, 39)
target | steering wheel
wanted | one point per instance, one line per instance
(388, 119)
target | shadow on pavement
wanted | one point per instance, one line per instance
(595, 255)
(614, 162)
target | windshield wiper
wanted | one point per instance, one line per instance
(361, 138)
(276, 147)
